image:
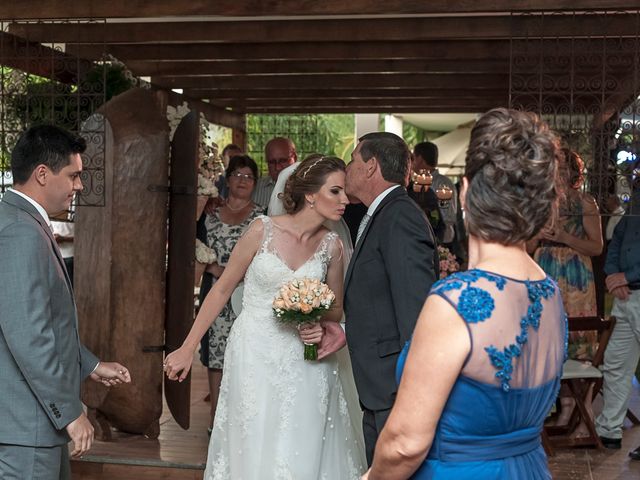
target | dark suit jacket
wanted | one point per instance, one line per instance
(42, 361)
(390, 274)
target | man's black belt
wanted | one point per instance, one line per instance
(634, 286)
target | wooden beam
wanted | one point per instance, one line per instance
(335, 30)
(442, 50)
(40, 9)
(249, 67)
(37, 59)
(377, 50)
(401, 102)
(212, 113)
(391, 108)
(335, 81)
(286, 93)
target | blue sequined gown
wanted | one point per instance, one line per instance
(490, 426)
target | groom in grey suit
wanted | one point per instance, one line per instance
(42, 361)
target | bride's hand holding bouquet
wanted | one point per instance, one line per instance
(302, 303)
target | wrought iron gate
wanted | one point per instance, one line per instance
(587, 88)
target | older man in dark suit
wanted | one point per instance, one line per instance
(42, 361)
(393, 266)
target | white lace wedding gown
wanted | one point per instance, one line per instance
(280, 417)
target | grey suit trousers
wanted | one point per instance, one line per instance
(18, 462)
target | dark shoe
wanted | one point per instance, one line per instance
(612, 443)
(635, 455)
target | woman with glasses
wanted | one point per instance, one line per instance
(223, 229)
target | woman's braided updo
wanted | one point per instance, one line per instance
(308, 178)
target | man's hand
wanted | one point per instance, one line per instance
(332, 340)
(615, 280)
(81, 433)
(621, 293)
(111, 373)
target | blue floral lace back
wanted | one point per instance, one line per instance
(503, 315)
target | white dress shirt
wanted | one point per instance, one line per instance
(378, 200)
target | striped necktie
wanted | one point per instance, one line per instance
(362, 226)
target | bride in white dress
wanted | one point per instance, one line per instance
(279, 416)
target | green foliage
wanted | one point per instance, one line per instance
(412, 134)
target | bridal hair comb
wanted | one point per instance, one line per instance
(304, 175)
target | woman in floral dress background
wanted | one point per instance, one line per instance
(564, 252)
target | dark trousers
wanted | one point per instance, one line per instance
(372, 423)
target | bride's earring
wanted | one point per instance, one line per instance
(311, 204)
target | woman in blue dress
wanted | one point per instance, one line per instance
(484, 365)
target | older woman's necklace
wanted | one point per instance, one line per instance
(237, 209)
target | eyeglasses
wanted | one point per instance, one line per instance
(243, 176)
(281, 162)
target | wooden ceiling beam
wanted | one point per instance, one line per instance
(249, 67)
(213, 113)
(443, 50)
(160, 8)
(378, 50)
(37, 59)
(285, 93)
(364, 81)
(472, 103)
(391, 108)
(340, 30)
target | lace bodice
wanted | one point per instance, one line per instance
(268, 271)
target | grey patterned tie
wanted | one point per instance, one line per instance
(363, 224)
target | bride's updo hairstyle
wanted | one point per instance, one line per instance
(511, 167)
(308, 178)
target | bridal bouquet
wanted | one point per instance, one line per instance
(303, 301)
(448, 262)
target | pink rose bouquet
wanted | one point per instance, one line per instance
(303, 301)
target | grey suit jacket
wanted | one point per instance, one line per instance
(42, 361)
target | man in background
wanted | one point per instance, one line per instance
(279, 153)
(425, 157)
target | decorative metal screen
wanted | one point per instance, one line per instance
(40, 82)
(584, 81)
(306, 131)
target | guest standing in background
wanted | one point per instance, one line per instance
(425, 157)
(279, 153)
(564, 249)
(623, 350)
